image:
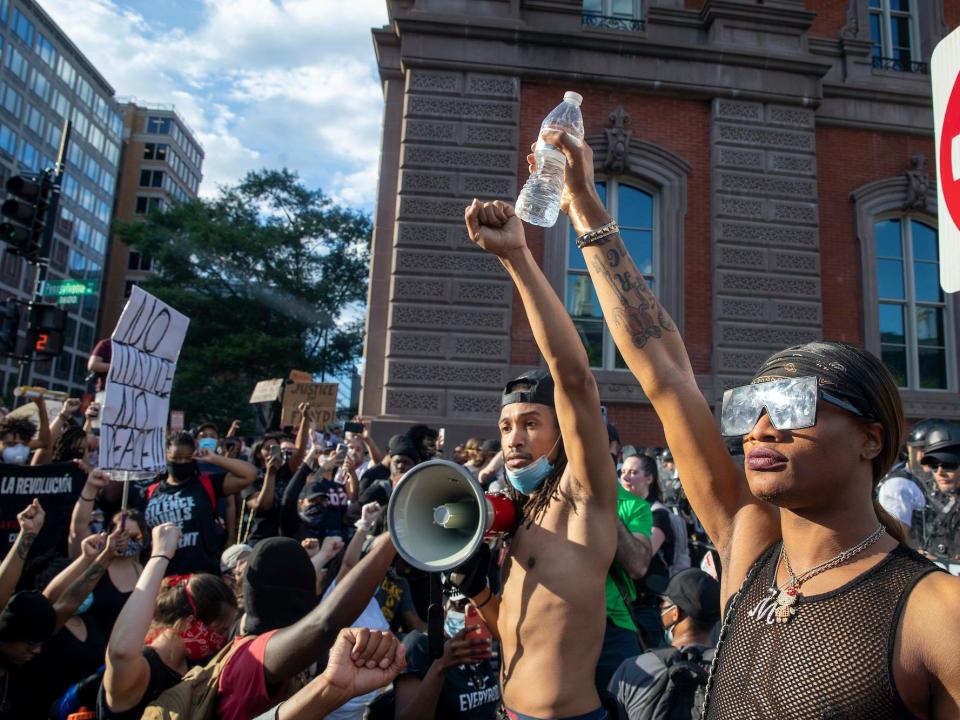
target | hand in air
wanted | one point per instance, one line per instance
(495, 227)
(363, 660)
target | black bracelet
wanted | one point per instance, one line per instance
(88, 499)
(165, 557)
(489, 598)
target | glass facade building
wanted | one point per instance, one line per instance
(45, 80)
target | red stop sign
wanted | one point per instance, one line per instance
(950, 134)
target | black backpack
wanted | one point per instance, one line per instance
(684, 685)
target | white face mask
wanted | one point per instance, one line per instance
(16, 454)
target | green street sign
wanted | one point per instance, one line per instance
(68, 288)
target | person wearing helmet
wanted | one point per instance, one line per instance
(941, 457)
(903, 491)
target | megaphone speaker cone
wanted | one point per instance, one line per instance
(438, 515)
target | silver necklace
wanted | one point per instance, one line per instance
(788, 595)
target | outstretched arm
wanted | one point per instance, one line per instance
(293, 649)
(496, 228)
(31, 522)
(653, 349)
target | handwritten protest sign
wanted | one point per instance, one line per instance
(56, 486)
(322, 396)
(146, 345)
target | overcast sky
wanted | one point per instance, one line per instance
(262, 83)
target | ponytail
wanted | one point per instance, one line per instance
(893, 526)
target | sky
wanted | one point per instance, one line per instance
(262, 83)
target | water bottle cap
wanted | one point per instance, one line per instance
(575, 98)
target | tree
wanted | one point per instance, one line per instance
(272, 276)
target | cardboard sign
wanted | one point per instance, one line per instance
(322, 396)
(176, 420)
(146, 346)
(945, 77)
(56, 486)
(267, 391)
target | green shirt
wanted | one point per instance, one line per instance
(638, 517)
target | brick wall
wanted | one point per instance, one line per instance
(831, 15)
(680, 126)
(846, 159)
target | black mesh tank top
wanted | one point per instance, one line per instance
(833, 660)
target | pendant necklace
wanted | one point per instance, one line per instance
(787, 595)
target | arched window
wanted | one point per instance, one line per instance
(634, 209)
(915, 321)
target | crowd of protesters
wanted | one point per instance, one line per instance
(277, 550)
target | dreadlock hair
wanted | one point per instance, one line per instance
(20, 427)
(863, 380)
(65, 446)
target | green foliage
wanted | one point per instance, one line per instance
(263, 271)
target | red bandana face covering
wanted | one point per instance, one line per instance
(200, 641)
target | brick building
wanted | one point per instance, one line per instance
(161, 164)
(769, 161)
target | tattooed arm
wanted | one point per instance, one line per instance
(31, 522)
(83, 574)
(654, 351)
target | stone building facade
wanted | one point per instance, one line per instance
(773, 159)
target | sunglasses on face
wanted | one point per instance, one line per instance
(934, 466)
(790, 404)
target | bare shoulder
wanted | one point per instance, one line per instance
(929, 638)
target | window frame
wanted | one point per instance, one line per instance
(910, 304)
(614, 182)
(886, 27)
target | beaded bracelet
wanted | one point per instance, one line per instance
(590, 238)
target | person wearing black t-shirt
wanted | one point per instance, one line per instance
(463, 683)
(187, 498)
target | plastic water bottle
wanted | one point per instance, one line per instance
(539, 201)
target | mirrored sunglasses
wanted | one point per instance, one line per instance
(790, 404)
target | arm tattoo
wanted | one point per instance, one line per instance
(26, 542)
(638, 312)
(82, 587)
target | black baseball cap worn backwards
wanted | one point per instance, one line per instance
(538, 386)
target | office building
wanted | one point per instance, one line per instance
(161, 163)
(44, 80)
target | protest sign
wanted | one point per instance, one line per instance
(322, 396)
(267, 391)
(146, 345)
(52, 400)
(56, 486)
(176, 421)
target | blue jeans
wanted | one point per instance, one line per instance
(619, 644)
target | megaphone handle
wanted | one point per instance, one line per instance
(435, 637)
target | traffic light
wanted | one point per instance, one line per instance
(9, 324)
(26, 213)
(45, 332)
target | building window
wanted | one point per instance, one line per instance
(613, 14)
(66, 71)
(158, 125)
(23, 27)
(12, 101)
(16, 63)
(916, 323)
(634, 210)
(151, 178)
(894, 31)
(155, 151)
(45, 50)
(35, 120)
(29, 157)
(8, 140)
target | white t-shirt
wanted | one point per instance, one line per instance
(900, 496)
(371, 618)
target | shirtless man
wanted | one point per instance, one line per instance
(809, 562)
(550, 617)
